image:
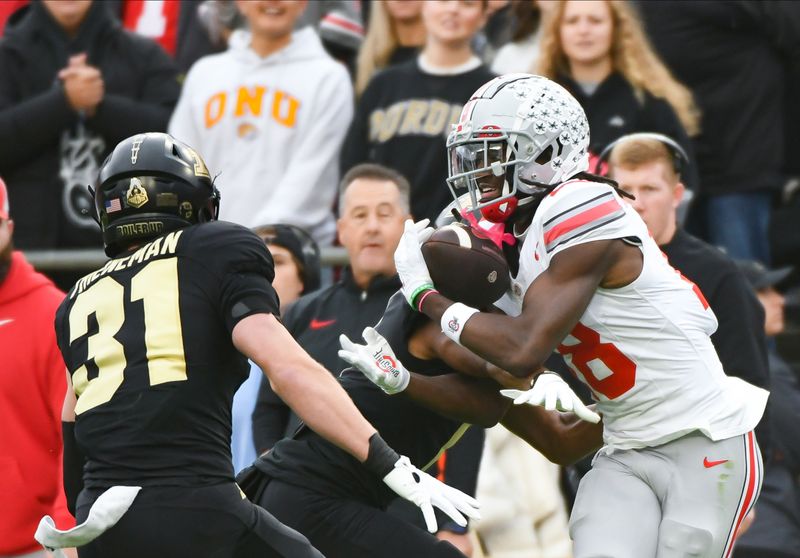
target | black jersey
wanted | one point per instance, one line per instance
(412, 430)
(147, 341)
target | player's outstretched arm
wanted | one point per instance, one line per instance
(318, 399)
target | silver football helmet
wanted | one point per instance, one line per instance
(518, 134)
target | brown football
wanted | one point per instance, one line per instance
(465, 266)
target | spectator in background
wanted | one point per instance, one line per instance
(6, 9)
(32, 387)
(74, 84)
(775, 533)
(373, 203)
(340, 26)
(521, 54)
(271, 114)
(395, 34)
(403, 117)
(650, 169)
(599, 52)
(734, 57)
(176, 26)
(496, 32)
(295, 256)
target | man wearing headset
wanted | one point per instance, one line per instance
(649, 166)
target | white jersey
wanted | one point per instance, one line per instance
(643, 349)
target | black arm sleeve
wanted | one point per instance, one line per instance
(270, 418)
(73, 466)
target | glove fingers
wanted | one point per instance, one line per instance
(372, 336)
(419, 226)
(346, 344)
(449, 509)
(430, 517)
(369, 334)
(585, 413)
(511, 393)
(550, 400)
(425, 234)
(566, 401)
(465, 503)
(347, 356)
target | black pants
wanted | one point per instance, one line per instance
(191, 522)
(342, 528)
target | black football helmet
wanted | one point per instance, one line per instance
(149, 185)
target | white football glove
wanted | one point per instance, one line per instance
(553, 393)
(425, 491)
(409, 261)
(376, 361)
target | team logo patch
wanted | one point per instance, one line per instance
(136, 195)
(386, 363)
(453, 325)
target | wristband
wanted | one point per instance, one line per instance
(455, 318)
(380, 457)
(424, 296)
(419, 291)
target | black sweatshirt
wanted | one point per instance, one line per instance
(48, 153)
(734, 56)
(402, 121)
(315, 321)
(613, 110)
(740, 340)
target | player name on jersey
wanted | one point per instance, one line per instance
(163, 246)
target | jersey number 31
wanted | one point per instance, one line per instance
(156, 285)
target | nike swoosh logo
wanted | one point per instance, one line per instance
(708, 464)
(319, 324)
(8, 321)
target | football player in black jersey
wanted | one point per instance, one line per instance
(155, 344)
(320, 490)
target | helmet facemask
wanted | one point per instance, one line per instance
(487, 166)
(519, 131)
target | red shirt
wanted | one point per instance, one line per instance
(32, 387)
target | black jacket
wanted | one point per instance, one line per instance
(613, 110)
(48, 153)
(402, 121)
(315, 321)
(739, 340)
(733, 55)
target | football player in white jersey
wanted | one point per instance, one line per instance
(680, 467)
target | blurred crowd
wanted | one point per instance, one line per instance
(324, 122)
